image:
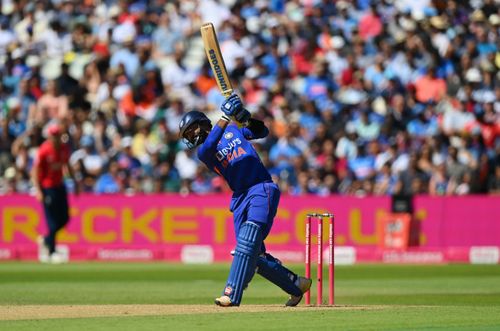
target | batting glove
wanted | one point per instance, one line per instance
(232, 105)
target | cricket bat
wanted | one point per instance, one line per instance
(214, 56)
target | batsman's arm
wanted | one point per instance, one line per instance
(255, 129)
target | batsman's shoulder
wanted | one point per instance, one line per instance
(232, 129)
(232, 126)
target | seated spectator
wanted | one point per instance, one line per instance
(287, 147)
(302, 186)
(51, 105)
(412, 177)
(424, 125)
(165, 37)
(88, 161)
(366, 129)
(346, 146)
(167, 178)
(385, 181)
(110, 181)
(201, 183)
(363, 166)
(439, 181)
(310, 119)
(429, 87)
(127, 161)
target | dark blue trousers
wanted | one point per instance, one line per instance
(55, 205)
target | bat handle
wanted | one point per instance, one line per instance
(227, 93)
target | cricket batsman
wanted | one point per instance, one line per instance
(226, 150)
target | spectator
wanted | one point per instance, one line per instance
(346, 147)
(128, 162)
(411, 178)
(439, 182)
(363, 166)
(287, 147)
(110, 181)
(370, 25)
(88, 162)
(167, 178)
(366, 129)
(126, 57)
(51, 105)
(166, 36)
(429, 87)
(385, 181)
(66, 84)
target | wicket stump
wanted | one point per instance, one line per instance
(331, 258)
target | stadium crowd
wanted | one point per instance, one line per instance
(362, 97)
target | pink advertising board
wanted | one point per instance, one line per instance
(199, 228)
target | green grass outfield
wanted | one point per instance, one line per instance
(116, 296)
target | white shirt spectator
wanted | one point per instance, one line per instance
(400, 164)
(176, 76)
(455, 120)
(398, 66)
(232, 50)
(441, 42)
(211, 11)
(165, 37)
(6, 37)
(21, 29)
(383, 158)
(412, 5)
(346, 148)
(123, 33)
(93, 163)
(336, 63)
(129, 60)
(367, 131)
(56, 45)
(185, 165)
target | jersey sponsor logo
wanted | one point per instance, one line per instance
(236, 154)
(223, 152)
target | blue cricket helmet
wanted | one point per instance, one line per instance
(190, 118)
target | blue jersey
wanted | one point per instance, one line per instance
(230, 154)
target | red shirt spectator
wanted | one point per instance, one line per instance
(370, 25)
(430, 88)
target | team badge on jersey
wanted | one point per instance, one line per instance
(228, 291)
(228, 135)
